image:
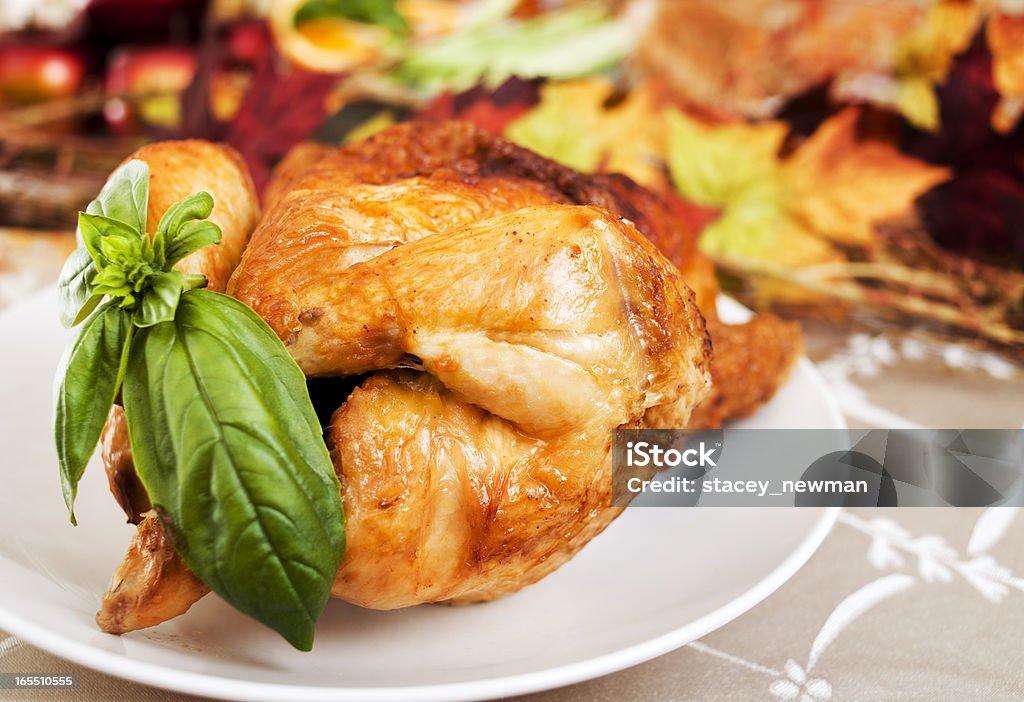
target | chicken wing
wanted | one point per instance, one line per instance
(152, 584)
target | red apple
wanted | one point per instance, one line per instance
(29, 73)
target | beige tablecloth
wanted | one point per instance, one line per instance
(905, 604)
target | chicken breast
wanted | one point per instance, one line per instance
(461, 153)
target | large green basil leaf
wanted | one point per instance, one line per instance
(86, 384)
(226, 441)
(74, 287)
(125, 196)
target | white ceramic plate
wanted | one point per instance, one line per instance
(655, 580)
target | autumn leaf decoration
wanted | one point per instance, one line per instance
(834, 220)
(798, 210)
(1005, 36)
(924, 57)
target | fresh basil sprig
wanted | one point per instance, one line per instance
(223, 433)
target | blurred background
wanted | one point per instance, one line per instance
(858, 165)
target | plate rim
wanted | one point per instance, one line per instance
(189, 682)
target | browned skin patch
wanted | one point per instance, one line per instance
(753, 360)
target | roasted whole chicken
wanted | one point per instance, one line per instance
(498, 316)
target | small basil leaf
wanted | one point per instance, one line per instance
(179, 234)
(196, 206)
(86, 384)
(125, 196)
(192, 236)
(87, 309)
(160, 300)
(74, 287)
(226, 441)
(94, 229)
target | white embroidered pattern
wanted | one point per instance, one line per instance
(891, 545)
(938, 562)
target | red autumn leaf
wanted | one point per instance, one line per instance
(283, 105)
(980, 211)
(966, 100)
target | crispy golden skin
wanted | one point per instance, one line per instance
(459, 151)
(142, 592)
(116, 453)
(764, 349)
(538, 331)
(313, 234)
(445, 502)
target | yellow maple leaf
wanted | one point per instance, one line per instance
(736, 167)
(717, 164)
(575, 125)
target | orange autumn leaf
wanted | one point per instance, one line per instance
(839, 186)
